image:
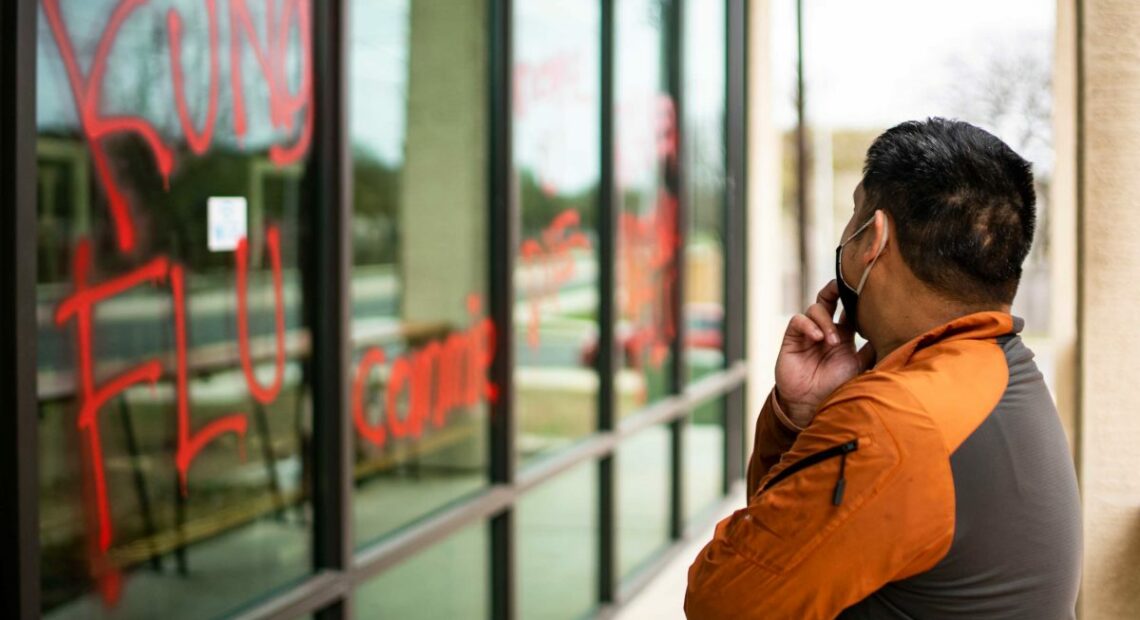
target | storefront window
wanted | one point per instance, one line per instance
(704, 127)
(703, 460)
(556, 171)
(420, 330)
(179, 210)
(174, 400)
(646, 172)
(557, 546)
(644, 464)
(448, 580)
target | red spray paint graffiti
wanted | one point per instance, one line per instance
(551, 255)
(97, 126)
(436, 379)
(649, 250)
(86, 90)
(80, 306)
(649, 245)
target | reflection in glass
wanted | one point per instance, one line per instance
(448, 580)
(704, 459)
(174, 402)
(704, 127)
(643, 472)
(557, 546)
(420, 331)
(646, 154)
(556, 163)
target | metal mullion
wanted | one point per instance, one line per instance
(308, 597)
(596, 446)
(331, 206)
(503, 235)
(803, 253)
(735, 227)
(607, 313)
(497, 499)
(19, 462)
(429, 531)
(677, 375)
(711, 386)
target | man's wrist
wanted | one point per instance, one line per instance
(782, 411)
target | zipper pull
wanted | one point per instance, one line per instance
(841, 483)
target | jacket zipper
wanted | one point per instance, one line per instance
(841, 450)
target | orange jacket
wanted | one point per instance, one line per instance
(864, 495)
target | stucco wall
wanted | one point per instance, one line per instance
(1109, 333)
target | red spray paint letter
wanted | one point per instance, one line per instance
(263, 395)
(401, 370)
(86, 91)
(199, 142)
(81, 305)
(283, 105)
(373, 434)
(190, 443)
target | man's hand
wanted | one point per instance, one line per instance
(816, 357)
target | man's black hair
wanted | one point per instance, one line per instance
(962, 203)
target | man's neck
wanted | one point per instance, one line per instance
(918, 314)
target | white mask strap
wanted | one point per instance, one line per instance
(878, 253)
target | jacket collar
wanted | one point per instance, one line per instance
(977, 326)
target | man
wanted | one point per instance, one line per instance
(925, 475)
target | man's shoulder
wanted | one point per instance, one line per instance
(951, 388)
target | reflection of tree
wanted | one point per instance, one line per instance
(706, 160)
(538, 207)
(375, 215)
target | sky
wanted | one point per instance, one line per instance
(874, 63)
(869, 64)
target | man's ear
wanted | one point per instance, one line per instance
(879, 236)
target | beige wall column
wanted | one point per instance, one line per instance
(765, 321)
(1062, 231)
(443, 198)
(1109, 270)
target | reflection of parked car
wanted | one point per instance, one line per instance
(704, 329)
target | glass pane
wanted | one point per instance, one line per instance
(643, 468)
(704, 459)
(1004, 84)
(646, 154)
(173, 325)
(419, 281)
(449, 580)
(556, 137)
(781, 100)
(558, 546)
(704, 126)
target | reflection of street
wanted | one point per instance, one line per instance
(138, 324)
(567, 315)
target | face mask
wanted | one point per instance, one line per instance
(848, 295)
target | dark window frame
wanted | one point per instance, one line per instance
(338, 568)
